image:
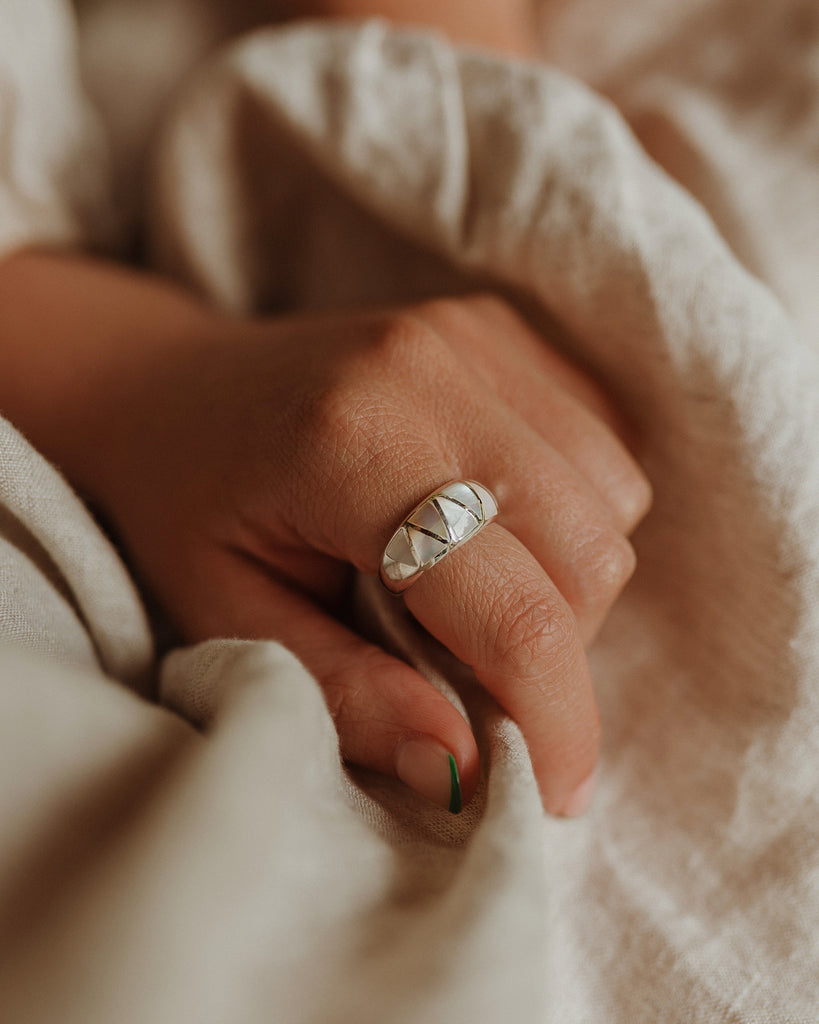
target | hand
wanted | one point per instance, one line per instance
(247, 465)
(246, 476)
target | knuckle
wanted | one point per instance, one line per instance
(605, 563)
(344, 402)
(409, 345)
(638, 496)
(342, 700)
(346, 685)
(443, 309)
(454, 314)
(402, 354)
(491, 305)
(345, 418)
(536, 631)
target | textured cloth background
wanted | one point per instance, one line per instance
(151, 871)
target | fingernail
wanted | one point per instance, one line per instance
(580, 800)
(430, 770)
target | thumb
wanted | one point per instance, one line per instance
(389, 717)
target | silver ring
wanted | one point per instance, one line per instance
(442, 522)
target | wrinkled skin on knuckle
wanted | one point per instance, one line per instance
(348, 678)
(408, 347)
(358, 407)
(339, 696)
(606, 562)
(374, 425)
(404, 399)
(399, 385)
(349, 420)
(536, 637)
(337, 434)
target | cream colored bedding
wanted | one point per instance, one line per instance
(209, 859)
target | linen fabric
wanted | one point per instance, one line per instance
(205, 856)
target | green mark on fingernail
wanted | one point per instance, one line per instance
(455, 800)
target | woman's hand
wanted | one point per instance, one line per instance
(247, 465)
(247, 476)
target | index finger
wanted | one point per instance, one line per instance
(510, 624)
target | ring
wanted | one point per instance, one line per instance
(444, 520)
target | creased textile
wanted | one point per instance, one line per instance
(207, 857)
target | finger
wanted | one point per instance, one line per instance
(390, 454)
(505, 332)
(544, 501)
(552, 395)
(549, 508)
(389, 718)
(492, 605)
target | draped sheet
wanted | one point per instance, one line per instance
(205, 856)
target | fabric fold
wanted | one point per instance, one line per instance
(705, 671)
(212, 859)
(55, 187)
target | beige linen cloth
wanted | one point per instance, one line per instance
(209, 859)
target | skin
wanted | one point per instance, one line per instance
(245, 465)
(505, 25)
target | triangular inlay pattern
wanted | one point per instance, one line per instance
(463, 493)
(401, 559)
(428, 548)
(428, 517)
(437, 525)
(461, 520)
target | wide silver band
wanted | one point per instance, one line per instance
(441, 522)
